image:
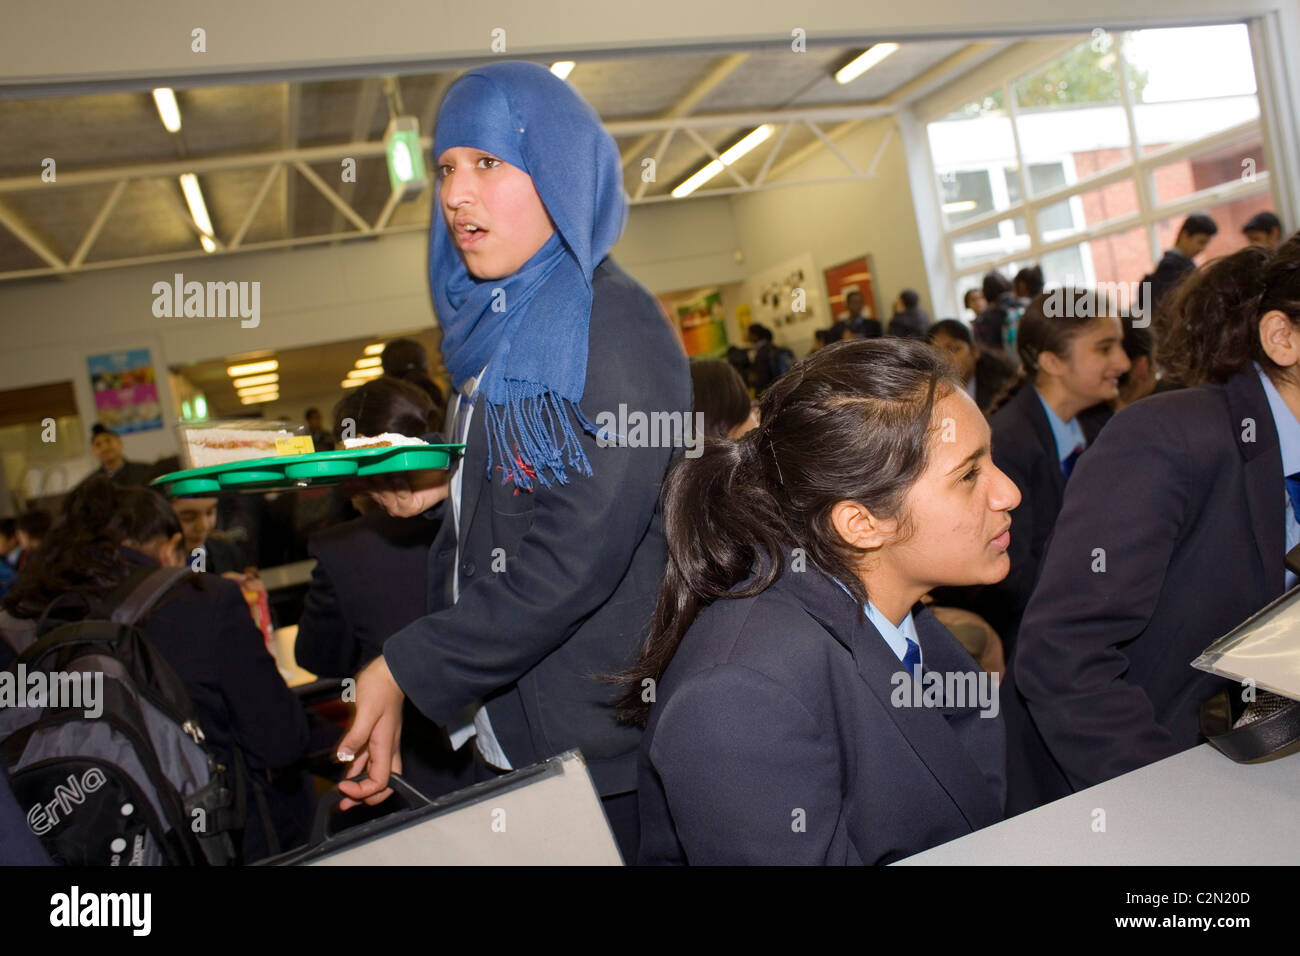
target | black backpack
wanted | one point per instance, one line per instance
(134, 784)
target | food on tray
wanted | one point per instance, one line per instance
(231, 441)
(386, 440)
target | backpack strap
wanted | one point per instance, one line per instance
(143, 596)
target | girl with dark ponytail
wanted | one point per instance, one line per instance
(1174, 530)
(797, 558)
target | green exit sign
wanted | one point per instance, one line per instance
(406, 170)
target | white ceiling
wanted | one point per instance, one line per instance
(122, 130)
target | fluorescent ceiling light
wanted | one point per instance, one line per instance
(865, 62)
(252, 368)
(256, 380)
(563, 68)
(198, 209)
(257, 390)
(963, 205)
(747, 144)
(168, 111)
(259, 399)
(365, 373)
(353, 382)
(369, 362)
(375, 349)
(728, 157)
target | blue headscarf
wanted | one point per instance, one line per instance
(536, 350)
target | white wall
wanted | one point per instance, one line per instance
(840, 221)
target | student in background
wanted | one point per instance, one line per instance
(32, 527)
(721, 396)
(1071, 363)
(1193, 513)
(107, 449)
(1027, 283)
(320, 438)
(986, 374)
(770, 360)
(859, 320)
(989, 325)
(1263, 229)
(910, 321)
(1140, 380)
(371, 579)
(202, 628)
(974, 301)
(1193, 236)
(775, 677)
(406, 359)
(198, 519)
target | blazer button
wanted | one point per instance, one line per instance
(467, 568)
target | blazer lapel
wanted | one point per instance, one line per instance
(472, 465)
(1262, 467)
(1032, 409)
(926, 729)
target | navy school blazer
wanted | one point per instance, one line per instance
(1184, 496)
(557, 585)
(773, 739)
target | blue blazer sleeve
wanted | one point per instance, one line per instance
(752, 777)
(1125, 505)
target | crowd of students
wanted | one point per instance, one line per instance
(722, 634)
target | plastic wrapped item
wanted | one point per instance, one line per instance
(1264, 649)
(204, 444)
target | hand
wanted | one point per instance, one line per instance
(374, 737)
(404, 495)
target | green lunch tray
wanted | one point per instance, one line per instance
(287, 472)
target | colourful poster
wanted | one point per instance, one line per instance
(126, 393)
(700, 318)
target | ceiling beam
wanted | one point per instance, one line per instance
(291, 115)
(367, 93)
(945, 71)
(97, 226)
(706, 85)
(19, 227)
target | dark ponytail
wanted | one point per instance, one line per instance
(1210, 330)
(852, 421)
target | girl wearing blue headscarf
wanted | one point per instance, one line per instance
(546, 574)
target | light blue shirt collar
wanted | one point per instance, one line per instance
(895, 637)
(970, 387)
(1288, 429)
(1068, 435)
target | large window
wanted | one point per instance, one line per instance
(1088, 164)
